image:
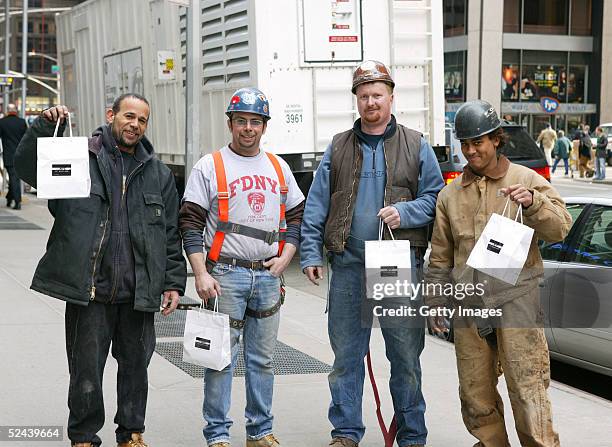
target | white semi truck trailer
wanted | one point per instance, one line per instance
(301, 53)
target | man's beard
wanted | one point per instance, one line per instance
(122, 143)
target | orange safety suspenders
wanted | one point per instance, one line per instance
(223, 204)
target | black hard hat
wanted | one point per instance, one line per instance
(475, 119)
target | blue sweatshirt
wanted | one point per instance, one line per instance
(370, 199)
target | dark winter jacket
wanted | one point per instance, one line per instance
(82, 227)
(12, 129)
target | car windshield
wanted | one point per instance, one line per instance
(607, 130)
(520, 145)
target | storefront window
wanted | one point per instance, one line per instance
(546, 17)
(510, 82)
(575, 84)
(543, 73)
(512, 16)
(581, 18)
(454, 79)
(455, 17)
(578, 74)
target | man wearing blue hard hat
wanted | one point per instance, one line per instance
(244, 205)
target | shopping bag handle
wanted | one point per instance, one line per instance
(380, 230)
(58, 124)
(519, 211)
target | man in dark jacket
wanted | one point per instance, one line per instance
(601, 154)
(12, 129)
(111, 257)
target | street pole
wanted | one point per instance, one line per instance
(193, 90)
(24, 58)
(7, 34)
(24, 64)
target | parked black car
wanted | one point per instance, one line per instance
(520, 149)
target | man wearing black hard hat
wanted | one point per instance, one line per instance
(515, 343)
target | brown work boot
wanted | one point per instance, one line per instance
(136, 441)
(81, 444)
(342, 442)
(266, 441)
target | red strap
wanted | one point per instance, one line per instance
(223, 205)
(389, 436)
(283, 198)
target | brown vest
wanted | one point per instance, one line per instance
(402, 152)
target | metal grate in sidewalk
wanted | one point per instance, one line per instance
(287, 361)
(9, 221)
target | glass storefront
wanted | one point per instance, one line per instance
(527, 76)
(454, 76)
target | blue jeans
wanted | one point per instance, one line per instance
(565, 162)
(350, 341)
(600, 168)
(258, 290)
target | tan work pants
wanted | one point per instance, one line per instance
(523, 355)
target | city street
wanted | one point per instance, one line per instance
(35, 369)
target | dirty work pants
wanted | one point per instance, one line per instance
(522, 354)
(350, 341)
(90, 330)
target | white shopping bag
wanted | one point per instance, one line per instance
(207, 338)
(388, 264)
(62, 168)
(503, 246)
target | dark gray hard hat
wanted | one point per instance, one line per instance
(475, 119)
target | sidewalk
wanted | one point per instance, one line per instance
(35, 374)
(559, 173)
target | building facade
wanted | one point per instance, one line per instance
(42, 51)
(539, 62)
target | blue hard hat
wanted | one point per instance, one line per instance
(249, 100)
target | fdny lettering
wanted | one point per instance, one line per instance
(248, 182)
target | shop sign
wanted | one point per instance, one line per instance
(549, 105)
(534, 108)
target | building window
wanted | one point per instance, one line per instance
(581, 18)
(454, 76)
(543, 74)
(511, 60)
(546, 17)
(512, 16)
(455, 17)
(578, 74)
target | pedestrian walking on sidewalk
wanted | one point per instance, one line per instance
(377, 170)
(244, 205)
(585, 153)
(114, 258)
(514, 344)
(12, 130)
(547, 140)
(563, 147)
(601, 154)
